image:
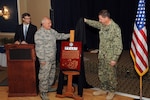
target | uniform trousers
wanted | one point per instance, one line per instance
(107, 75)
(46, 76)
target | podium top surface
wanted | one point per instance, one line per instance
(15, 46)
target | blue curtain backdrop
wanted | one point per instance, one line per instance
(67, 12)
(10, 24)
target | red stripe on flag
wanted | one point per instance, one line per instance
(137, 53)
(142, 46)
(139, 42)
(139, 68)
(141, 58)
(144, 35)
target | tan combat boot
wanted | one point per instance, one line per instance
(60, 95)
(110, 95)
(99, 92)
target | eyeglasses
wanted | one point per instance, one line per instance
(27, 18)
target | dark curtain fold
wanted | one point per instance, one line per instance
(68, 12)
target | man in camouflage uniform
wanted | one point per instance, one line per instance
(109, 52)
(45, 46)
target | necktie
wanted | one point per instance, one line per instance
(25, 31)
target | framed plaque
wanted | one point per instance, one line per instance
(70, 57)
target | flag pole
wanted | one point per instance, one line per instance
(140, 87)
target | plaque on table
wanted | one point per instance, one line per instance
(70, 57)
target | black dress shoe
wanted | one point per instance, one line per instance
(65, 82)
(87, 86)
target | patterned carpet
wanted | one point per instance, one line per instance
(3, 76)
(128, 79)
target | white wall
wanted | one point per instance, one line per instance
(37, 8)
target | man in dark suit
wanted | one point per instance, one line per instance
(25, 31)
(25, 35)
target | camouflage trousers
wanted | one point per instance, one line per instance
(107, 75)
(46, 76)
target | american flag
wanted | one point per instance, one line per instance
(139, 48)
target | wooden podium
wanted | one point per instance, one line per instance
(21, 70)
